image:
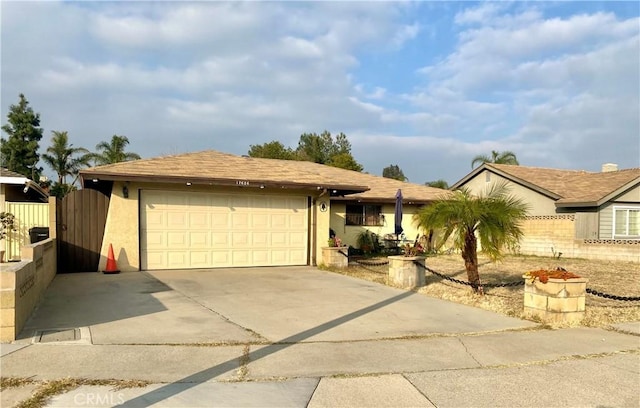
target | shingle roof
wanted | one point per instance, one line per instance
(570, 187)
(8, 173)
(216, 167)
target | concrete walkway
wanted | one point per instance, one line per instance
(355, 344)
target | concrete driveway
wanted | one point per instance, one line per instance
(300, 337)
(233, 306)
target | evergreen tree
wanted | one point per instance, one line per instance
(394, 171)
(19, 152)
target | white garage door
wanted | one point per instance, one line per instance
(204, 230)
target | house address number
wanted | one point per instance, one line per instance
(242, 183)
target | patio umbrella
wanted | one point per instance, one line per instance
(398, 214)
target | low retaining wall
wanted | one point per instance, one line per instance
(336, 257)
(404, 272)
(22, 285)
(556, 301)
(552, 235)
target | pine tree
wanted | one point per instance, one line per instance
(19, 152)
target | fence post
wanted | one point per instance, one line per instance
(407, 271)
(557, 301)
(336, 257)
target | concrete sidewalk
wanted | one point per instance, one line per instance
(569, 367)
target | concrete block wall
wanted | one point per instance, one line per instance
(22, 285)
(556, 301)
(335, 256)
(404, 272)
(542, 233)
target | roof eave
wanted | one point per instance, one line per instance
(576, 204)
(619, 190)
(385, 200)
(339, 188)
(508, 176)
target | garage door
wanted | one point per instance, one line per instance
(203, 230)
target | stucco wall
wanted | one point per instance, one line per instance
(538, 203)
(122, 225)
(322, 220)
(23, 284)
(349, 233)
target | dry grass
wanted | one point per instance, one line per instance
(48, 389)
(617, 278)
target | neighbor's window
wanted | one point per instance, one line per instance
(626, 221)
(364, 215)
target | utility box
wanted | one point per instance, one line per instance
(37, 234)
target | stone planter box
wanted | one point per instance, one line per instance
(404, 272)
(335, 257)
(557, 301)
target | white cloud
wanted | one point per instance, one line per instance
(181, 76)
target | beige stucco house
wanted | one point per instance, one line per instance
(578, 213)
(212, 209)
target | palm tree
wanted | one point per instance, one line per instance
(506, 157)
(65, 160)
(493, 217)
(438, 184)
(113, 152)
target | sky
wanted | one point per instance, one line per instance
(423, 85)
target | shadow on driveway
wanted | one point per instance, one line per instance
(191, 381)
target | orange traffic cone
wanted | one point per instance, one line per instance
(112, 266)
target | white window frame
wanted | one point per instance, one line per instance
(615, 209)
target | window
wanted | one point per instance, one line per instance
(364, 215)
(626, 222)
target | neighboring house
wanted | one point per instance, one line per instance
(212, 209)
(28, 202)
(579, 213)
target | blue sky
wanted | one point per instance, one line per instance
(424, 85)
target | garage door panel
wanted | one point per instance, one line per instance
(279, 221)
(177, 239)
(154, 260)
(155, 220)
(177, 259)
(155, 239)
(297, 236)
(201, 230)
(297, 256)
(177, 201)
(279, 255)
(260, 258)
(260, 239)
(199, 220)
(260, 221)
(240, 203)
(177, 220)
(199, 239)
(220, 239)
(240, 220)
(279, 238)
(199, 259)
(220, 258)
(220, 222)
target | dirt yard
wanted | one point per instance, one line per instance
(616, 278)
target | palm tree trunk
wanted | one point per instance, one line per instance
(470, 256)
